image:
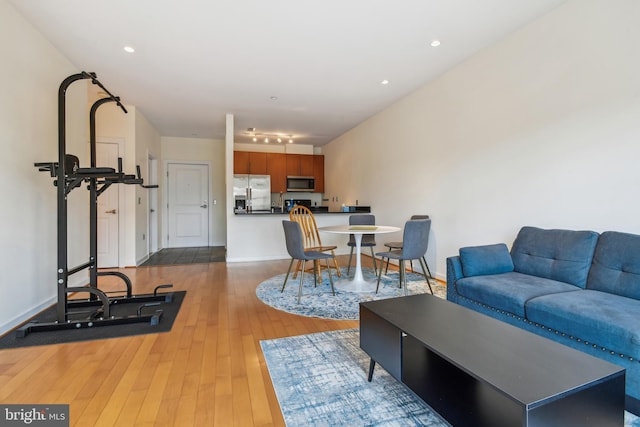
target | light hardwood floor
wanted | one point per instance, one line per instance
(208, 371)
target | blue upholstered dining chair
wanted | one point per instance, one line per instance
(295, 248)
(368, 240)
(398, 245)
(415, 242)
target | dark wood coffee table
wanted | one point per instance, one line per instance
(478, 371)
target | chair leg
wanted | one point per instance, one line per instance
(316, 273)
(379, 276)
(401, 271)
(333, 291)
(295, 273)
(375, 267)
(387, 269)
(335, 263)
(422, 264)
(317, 269)
(287, 276)
(403, 277)
(301, 278)
(427, 265)
(349, 265)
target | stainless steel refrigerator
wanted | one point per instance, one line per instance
(252, 192)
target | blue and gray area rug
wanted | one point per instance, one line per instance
(319, 302)
(321, 380)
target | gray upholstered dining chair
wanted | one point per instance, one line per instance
(415, 241)
(295, 248)
(368, 240)
(398, 245)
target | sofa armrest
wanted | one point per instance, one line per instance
(454, 272)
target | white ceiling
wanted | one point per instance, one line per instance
(197, 60)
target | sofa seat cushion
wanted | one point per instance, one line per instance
(509, 291)
(601, 318)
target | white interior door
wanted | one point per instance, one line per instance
(153, 206)
(108, 208)
(188, 205)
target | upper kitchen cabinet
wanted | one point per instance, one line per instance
(276, 167)
(300, 164)
(318, 173)
(249, 162)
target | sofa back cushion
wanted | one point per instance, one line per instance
(616, 265)
(562, 255)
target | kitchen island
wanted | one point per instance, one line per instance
(259, 236)
(319, 210)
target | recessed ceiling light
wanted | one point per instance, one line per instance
(129, 49)
(273, 98)
(435, 43)
(384, 82)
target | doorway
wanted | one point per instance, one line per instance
(152, 222)
(187, 204)
(108, 227)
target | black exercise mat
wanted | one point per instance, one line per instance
(177, 256)
(169, 312)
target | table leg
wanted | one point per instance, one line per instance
(358, 277)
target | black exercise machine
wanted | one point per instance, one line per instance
(96, 309)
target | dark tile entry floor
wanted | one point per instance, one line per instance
(173, 256)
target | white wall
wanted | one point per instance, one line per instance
(211, 151)
(140, 141)
(147, 145)
(30, 75)
(540, 129)
(275, 148)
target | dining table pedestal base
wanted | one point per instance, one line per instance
(358, 286)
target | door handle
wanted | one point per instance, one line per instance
(203, 206)
(152, 210)
(112, 211)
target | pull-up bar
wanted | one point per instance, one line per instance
(95, 81)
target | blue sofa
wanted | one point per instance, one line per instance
(579, 288)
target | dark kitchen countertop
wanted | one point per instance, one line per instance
(318, 210)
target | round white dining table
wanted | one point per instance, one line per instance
(358, 283)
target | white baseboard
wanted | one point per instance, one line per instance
(253, 259)
(26, 315)
(6, 327)
(275, 257)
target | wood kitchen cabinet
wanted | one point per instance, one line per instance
(276, 168)
(240, 162)
(318, 173)
(300, 164)
(279, 166)
(249, 162)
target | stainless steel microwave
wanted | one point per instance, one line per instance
(301, 183)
